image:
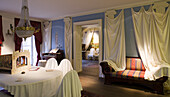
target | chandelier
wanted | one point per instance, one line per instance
(24, 28)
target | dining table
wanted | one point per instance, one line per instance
(36, 82)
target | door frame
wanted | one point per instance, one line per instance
(96, 21)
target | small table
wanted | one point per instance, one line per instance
(38, 83)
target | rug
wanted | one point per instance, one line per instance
(89, 94)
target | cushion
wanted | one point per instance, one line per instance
(129, 74)
(134, 64)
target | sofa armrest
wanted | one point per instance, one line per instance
(162, 79)
(106, 69)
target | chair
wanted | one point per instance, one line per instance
(92, 51)
(65, 66)
(42, 63)
(70, 85)
(96, 55)
(51, 64)
(97, 50)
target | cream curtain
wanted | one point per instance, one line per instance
(152, 31)
(87, 37)
(68, 38)
(114, 41)
(46, 32)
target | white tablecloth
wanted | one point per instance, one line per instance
(70, 86)
(34, 83)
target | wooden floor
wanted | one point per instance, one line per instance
(92, 83)
(90, 67)
(95, 85)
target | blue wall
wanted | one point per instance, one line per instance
(130, 43)
(57, 27)
(131, 49)
(89, 17)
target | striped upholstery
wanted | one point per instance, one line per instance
(134, 69)
(129, 74)
(134, 64)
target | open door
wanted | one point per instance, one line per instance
(77, 48)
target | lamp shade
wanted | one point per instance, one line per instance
(24, 28)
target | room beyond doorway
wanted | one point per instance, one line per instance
(90, 49)
(90, 67)
(83, 61)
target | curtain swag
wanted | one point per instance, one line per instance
(114, 41)
(68, 38)
(152, 33)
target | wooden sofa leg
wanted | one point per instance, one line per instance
(159, 88)
(108, 80)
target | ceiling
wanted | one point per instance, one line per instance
(55, 9)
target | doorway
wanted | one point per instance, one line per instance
(87, 39)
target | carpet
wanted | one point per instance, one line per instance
(89, 94)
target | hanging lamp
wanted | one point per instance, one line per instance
(24, 28)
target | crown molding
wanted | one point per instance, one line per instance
(12, 15)
(125, 6)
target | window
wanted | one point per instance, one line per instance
(29, 44)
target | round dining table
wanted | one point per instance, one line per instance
(37, 82)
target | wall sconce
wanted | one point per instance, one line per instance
(10, 31)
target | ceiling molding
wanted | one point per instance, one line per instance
(125, 6)
(12, 15)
